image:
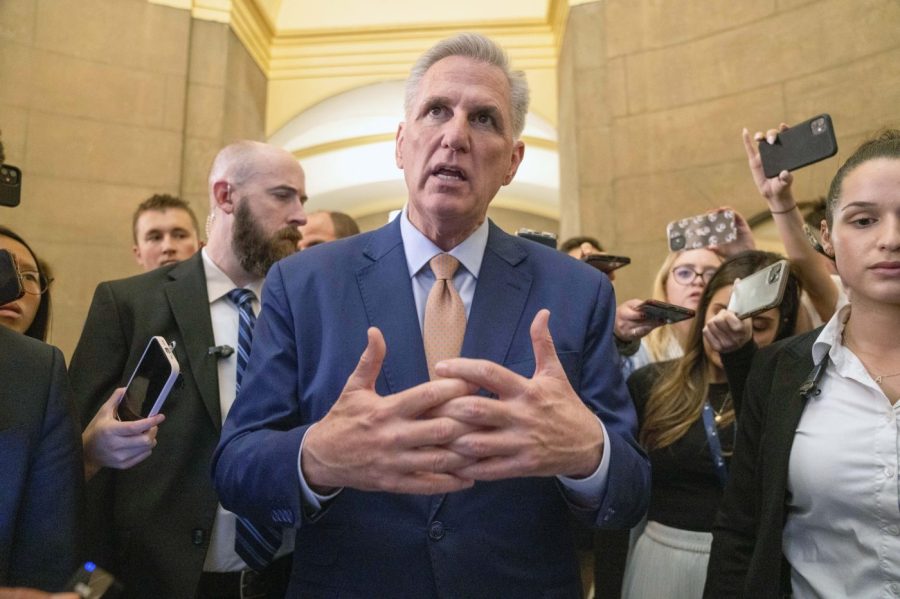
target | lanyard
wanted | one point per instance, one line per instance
(712, 439)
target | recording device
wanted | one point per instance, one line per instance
(220, 351)
(10, 282)
(150, 383)
(799, 146)
(760, 291)
(702, 230)
(10, 185)
(93, 582)
(542, 237)
(662, 311)
(606, 262)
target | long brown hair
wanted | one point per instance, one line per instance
(677, 397)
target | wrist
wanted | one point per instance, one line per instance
(786, 210)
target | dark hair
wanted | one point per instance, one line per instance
(344, 225)
(161, 202)
(573, 242)
(40, 327)
(885, 145)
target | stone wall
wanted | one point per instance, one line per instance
(653, 97)
(103, 103)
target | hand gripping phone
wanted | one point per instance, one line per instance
(150, 383)
(799, 146)
(760, 291)
(668, 313)
(702, 230)
(607, 262)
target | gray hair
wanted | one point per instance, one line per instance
(480, 48)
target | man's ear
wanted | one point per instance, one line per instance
(515, 160)
(827, 246)
(137, 255)
(222, 194)
(398, 146)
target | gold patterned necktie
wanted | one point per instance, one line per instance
(445, 315)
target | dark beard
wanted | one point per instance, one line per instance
(254, 250)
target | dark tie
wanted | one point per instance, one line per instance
(256, 545)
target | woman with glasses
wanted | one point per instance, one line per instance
(30, 314)
(686, 418)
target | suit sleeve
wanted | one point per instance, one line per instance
(255, 465)
(734, 529)
(601, 386)
(45, 546)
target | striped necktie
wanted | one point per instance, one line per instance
(256, 545)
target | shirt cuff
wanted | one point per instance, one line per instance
(588, 492)
(312, 501)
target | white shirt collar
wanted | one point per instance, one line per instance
(218, 284)
(419, 249)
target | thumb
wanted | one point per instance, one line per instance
(110, 405)
(369, 365)
(545, 358)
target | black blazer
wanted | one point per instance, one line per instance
(150, 524)
(746, 558)
(41, 472)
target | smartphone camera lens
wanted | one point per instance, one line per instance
(819, 126)
(677, 243)
(773, 274)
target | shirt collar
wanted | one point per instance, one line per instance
(419, 249)
(831, 335)
(218, 284)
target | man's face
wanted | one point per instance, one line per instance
(268, 214)
(456, 147)
(164, 237)
(318, 229)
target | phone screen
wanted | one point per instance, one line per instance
(668, 313)
(152, 377)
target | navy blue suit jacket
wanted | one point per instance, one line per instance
(508, 537)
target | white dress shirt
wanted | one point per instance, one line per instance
(842, 534)
(419, 250)
(221, 556)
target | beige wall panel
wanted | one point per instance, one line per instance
(693, 135)
(844, 90)
(792, 4)
(18, 75)
(594, 156)
(132, 33)
(17, 20)
(647, 24)
(198, 158)
(588, 45)
(103, 152)
(739, 60)
(205, 112)
(14, 126)
(598, 215)
(636, 279)
(209, 53)
(173, 113)
(616, 89)
(103, 92)
(590, 87)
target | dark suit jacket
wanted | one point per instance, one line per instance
(150, 524)
(504, 538)
(41, 471)
(746, 558)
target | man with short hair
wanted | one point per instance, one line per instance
(157, 523)
(165, 231)
(412, 472)
(324, 226)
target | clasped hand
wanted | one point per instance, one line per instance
(439, 437)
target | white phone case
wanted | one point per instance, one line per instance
(760, 291)
(140, 381)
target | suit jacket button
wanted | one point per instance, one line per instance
(436, 531)
(198, 536)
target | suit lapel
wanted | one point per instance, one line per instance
(385, 287)
(189, 301)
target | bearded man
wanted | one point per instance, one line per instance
(155, 520)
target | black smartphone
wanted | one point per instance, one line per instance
(10, 282)
(150, 383)
(542, 237)
(93, 582)
(668, 313)
(799, 146)
(10, 185)
(607, 262)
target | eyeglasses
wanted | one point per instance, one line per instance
(34, 282)
(686, 275)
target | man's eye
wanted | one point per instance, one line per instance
(436, 111)
(484, 119)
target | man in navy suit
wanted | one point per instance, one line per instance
(461, 485)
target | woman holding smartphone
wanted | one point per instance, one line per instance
(686, 418)
(813, 504)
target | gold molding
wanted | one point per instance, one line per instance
(363, 140)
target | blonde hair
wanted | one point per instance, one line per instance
(660, 339)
